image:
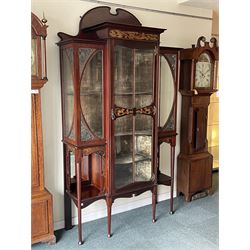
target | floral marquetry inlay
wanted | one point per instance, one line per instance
(133, 35)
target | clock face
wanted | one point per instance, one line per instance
(203, 71)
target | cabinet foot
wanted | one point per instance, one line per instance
(52, 241)
(80, 242)
(188, 198)
(171, 212)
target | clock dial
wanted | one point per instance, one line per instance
(203, 71)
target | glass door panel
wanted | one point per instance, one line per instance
(123, 70)
(124, 141)
(144, 71)
(143, 147)
(68, 93)
(133, 90)
(91, 94)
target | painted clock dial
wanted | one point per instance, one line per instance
(203, 71)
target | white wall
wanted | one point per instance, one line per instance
(64, 15)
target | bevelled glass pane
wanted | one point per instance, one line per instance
(143, 148)
(167, 92)
(143, 100)
(91, 90)
(143, 170)
(144, 70)
(125, 101)
(68, 92)
(143, 124)
(124, 125)
(123, 70)
(34, 57)
(123, 151)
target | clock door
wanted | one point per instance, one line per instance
(200, 129)
(133, 115)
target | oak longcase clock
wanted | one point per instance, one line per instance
(42, 229)
(198, 75)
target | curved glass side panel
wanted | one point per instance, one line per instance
(167, 91)
(91, 90)
(68, 92)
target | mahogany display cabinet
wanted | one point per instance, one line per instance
(110, 108)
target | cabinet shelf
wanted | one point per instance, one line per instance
(87, 93)
(164, 179)
(127, 159)
(142, 133)
(88, 192)
(132, 93)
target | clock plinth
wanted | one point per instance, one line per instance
(196, 167)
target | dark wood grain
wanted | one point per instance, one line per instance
(194, 163)
(95, 158)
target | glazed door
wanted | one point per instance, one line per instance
(133, 115)
(200, 128)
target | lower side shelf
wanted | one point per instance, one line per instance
(88, 193)
(164, 179)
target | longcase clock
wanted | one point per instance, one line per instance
(41, 206)
(198, 75)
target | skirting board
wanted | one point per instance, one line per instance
(116, 209)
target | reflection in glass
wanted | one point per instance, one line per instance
(123, 70)
(143, 100)
(167, 92)
(143, 124)
(143, 147)
(144, 60)
(68, 92)
(91, 94)
(124, 125)
(125, 101)
(123, 151)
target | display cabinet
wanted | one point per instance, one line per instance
(42, 229)
(109, 80)
(198, 73)
(168, 90)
